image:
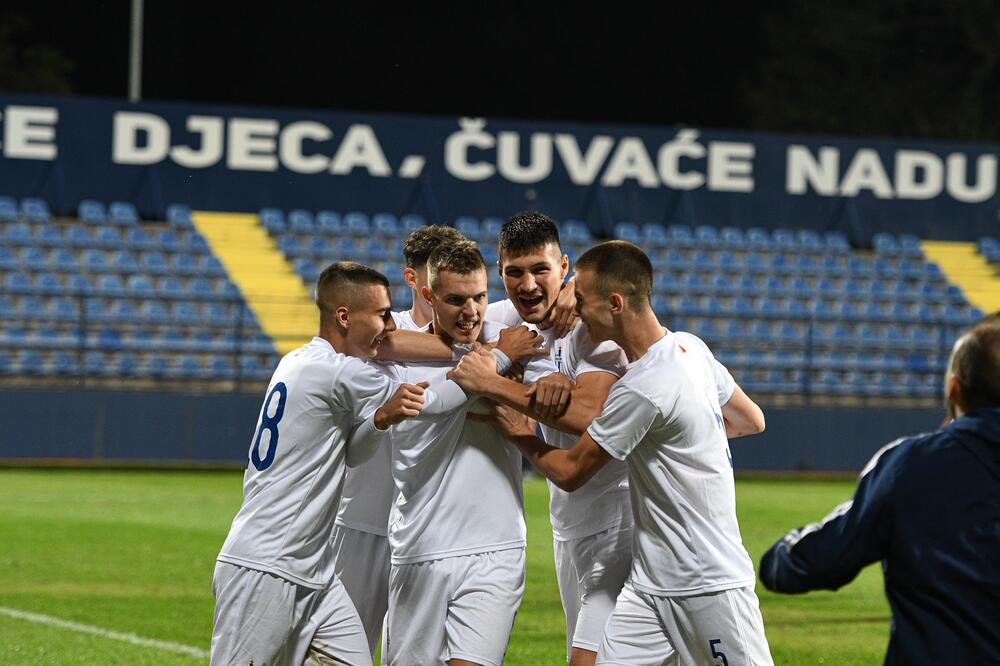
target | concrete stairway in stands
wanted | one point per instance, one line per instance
(273, 291)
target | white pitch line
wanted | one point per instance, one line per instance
(105, 633)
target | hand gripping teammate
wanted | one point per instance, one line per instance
(274, 575)
(689, 598)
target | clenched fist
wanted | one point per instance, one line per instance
(405, 403)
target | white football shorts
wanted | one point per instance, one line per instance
(591, 571)
(362, 565)
(266, 619)
(454, 608)
(716, 628)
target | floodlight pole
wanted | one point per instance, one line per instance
(135, 54)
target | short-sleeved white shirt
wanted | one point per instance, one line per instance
(603, 501)
(459, 482)
(664, 418)
(368, 489)
(293, 483)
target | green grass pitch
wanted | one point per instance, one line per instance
(133, 552)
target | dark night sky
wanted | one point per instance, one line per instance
(892, 68)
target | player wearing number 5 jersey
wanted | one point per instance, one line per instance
(324, 410)
(689, 598)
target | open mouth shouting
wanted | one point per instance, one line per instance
(531, 301)
(466, 328)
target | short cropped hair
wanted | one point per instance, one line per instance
(527, 231)
(620, 267)
(340, 282)
(975, 362)
(462, 257)
(418, 245)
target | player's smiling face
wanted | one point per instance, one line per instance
(594, 310)
(533, 280)
(459, 303)
(370, 321)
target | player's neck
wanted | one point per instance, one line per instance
(638, 333)
(419, 317)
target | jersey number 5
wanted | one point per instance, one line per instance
(270, 424)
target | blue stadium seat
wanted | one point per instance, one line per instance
(171, 340)
(184, 264)
(273, 220)
(154, 263)
(63, 310)
(155, 312)
(250, 368)
(627, 231)
(230, 292)
(140, 239)
(187, 367)
(376, 250)
(203, 341)
(125, 312)
(784, 240)
(809, 241)
(125, 365)
(156, 366)
(80, 237)
(33, 259)
(18, 284)
(291, 247)
(195, 243)
(7, 310)
(111, 286)
(221, 367)
(64, 364)
(319, 247)
(411, 222)
(219, 314)
(109, 238)
(8, 209)
(95, 364)
(185, 313)
(909, 246)
(301, 223)
(386, 225)
(652, 235)
(123, 214)
(732, 238)
(92, 212)
(124, 262)
(140, 287)
(491, 227)
(109, 339)
(705, 236)
(329, 223)
(30, 362)
(835, 242)
(307, 270)
(8, 260)
(35, 211)
(32, 308)
(48, 284)
(357, 224)
(180, 217)
(19, 235)
(79, 285)
(202, 289)
(469, 227)
(165, 240)
(49, 235)
(171, 288)
(704, 261)
(575, 232)
(95, 261)
(885, 245)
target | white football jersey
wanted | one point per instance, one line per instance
(293, 483)
(664, 419)
(603, 501)
(459, 482)
(369, 490)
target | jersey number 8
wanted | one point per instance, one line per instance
(270, 424)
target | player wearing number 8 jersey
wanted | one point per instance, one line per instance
(324, 410)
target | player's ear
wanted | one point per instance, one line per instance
(617, 302)
(343, 315)
(425, 291)
(564, 267)
(410, 277)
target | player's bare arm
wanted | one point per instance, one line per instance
(569, 469)
(583, 404)
(742, 415)
(562, 316)
(404, 346)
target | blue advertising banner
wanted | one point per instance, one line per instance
(243, 159)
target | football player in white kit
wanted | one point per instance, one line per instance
(457, 528)
(591, 528)
(689, 598)
(275, 571)
(360, 538)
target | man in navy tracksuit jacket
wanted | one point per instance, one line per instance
(928, 507)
